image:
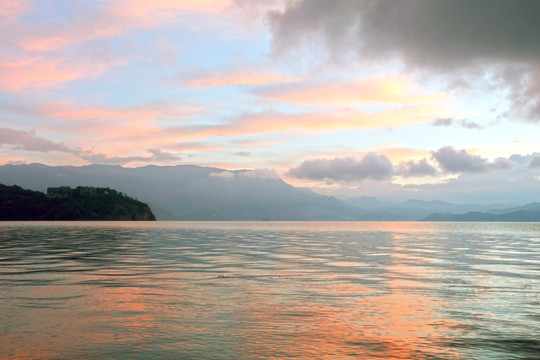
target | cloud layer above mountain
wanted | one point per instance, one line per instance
(494, 38)
(345, 96)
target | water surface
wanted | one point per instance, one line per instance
(260, 290)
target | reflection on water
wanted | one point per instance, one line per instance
(269, 290)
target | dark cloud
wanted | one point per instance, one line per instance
(432, 33)
(416, 169)
(534, 163)
(460, 161)
(499, 38)
(371, 166)
(28, 140)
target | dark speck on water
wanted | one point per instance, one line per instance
(261, 290)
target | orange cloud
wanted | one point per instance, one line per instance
(8, 159)
(388, 89)
(397, 155)
(333, 121)
(110, 130)
(311, 123)
(124, 130)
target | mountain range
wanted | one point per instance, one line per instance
(190, 192)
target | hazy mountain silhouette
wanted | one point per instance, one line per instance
(190, 192)
(414, 209)
(525, 213)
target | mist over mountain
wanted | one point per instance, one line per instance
(190, 192)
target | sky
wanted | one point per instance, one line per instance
(394, 99)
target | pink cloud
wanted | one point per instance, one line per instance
(39, 73)
(107, 129)
(112, 18)
(121, 130)
(107, 123)
(113, 130)
(35, 68)
(11, 9)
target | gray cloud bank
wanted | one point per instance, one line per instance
(534, 163)
(416, 169)
(379, 167)
(460, 161)
(494, 38)
(371, 166)
(28, 140)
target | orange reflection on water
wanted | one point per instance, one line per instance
(409, 320)
(340, 317)
(407, 323)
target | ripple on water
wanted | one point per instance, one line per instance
(270, 290)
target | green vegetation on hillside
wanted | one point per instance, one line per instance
(81, 203)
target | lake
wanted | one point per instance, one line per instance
(269, 290)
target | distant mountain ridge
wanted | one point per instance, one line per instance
(190, 192)
(525, 213)
(414, 209)
(531, 207)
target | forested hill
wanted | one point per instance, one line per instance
(65, 203)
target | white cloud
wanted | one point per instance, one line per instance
(261, 174)
(255, 173)
(157, 156)
(223, 174)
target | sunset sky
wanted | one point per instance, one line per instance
(417, 98)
